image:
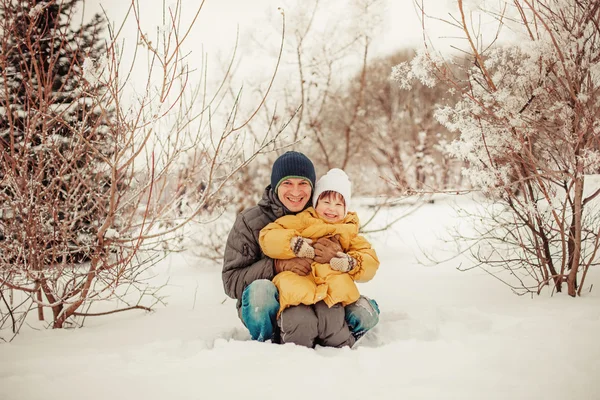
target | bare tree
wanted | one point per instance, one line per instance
(397, 131)
(529, 132)
(321, 51)
(351, 116)
(86, 176)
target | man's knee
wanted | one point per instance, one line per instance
(261, 292)
(299, 325)
(259, 309)
(362, 315)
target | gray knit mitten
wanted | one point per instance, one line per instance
(302, 247)
(343, 262)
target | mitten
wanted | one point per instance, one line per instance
(342, 262)
(302, 247)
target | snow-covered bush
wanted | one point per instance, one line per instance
(529, 133)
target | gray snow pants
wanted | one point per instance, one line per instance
(317, 324)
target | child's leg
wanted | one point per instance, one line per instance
(333, 330)
(298, 325)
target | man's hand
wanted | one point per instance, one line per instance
(326, 249)
(300, 266)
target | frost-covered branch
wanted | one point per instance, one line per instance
(529, 133)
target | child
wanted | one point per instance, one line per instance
(292, 235)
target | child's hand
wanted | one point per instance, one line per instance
(342, 262)
(302, 247)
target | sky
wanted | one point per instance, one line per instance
(396, 24)
(214, 32)
(219, 19)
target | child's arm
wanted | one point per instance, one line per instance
(360, 261)
(279, 239)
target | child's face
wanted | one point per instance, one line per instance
(331, 208)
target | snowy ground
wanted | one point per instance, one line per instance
(443, 334)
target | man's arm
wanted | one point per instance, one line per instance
(243, 262)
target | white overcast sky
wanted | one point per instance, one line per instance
(219, 18)
(214, 32)
(216, 26)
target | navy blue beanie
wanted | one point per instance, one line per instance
(292, 165)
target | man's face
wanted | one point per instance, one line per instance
(294, 193)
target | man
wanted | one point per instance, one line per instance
(248, 273)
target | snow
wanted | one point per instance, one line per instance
(35, 11)
(89, 71)
(443, 334)
(111, 234)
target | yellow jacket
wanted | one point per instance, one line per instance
(324, 283)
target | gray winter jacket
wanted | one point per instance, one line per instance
(244, 262)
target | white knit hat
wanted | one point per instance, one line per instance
(337, 181)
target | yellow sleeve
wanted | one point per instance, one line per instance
(275, 238)
(367, 261)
